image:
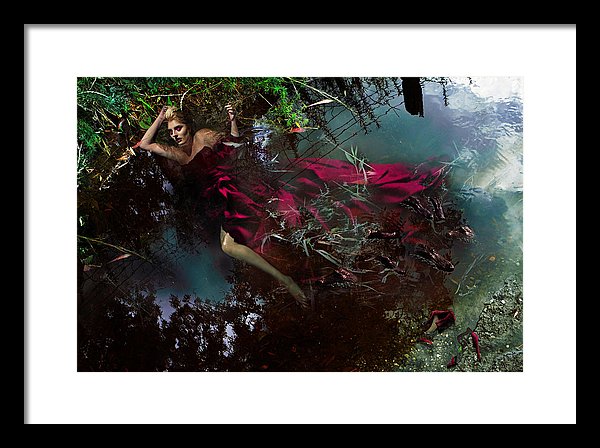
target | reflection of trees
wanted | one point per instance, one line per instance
(123, 210)
(127, 209)
(236, 335)
(205, 336)
(119, 333)
(368, 99)
(356, 322)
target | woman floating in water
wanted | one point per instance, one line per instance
(245, 205)
(190, 145)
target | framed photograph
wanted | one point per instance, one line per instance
(256, 221)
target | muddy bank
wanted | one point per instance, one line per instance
(498, 333)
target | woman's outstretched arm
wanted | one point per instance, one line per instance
(148, 142)
(231, 115)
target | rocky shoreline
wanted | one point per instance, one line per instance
(498, 331)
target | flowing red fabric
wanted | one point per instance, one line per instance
(239, 199)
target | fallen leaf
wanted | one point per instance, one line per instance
(89, 267)
(120, 257)
(320, 102)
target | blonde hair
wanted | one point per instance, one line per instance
(172, 113)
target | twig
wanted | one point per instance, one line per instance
(119, 248)
(337, 100)
(167, 94)
(97, 93)
(363, 285)
(183, 96)
(259, 94)
(329, 257)
(467, 272)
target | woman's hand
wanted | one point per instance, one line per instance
(231, 115)
(161, 114)
(230, 112)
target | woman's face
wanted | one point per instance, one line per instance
(179, 132)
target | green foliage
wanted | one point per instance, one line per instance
(88, 136)
(103, 104)
(111, 97)
(285, 104)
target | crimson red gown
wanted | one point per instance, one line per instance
(242, 200)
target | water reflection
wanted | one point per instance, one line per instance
(181, 305)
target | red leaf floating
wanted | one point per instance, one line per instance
(441, 318)
(475, 339)
(120, 257)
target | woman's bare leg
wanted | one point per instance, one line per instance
(247, 255)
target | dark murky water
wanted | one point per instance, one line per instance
(480, 130)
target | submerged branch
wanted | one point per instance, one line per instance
(119, 248)
(467, 272)
(325, 94)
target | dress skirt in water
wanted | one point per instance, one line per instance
(328, 223)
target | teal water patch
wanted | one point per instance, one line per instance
(201, 271)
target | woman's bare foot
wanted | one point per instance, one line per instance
(295, 291)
